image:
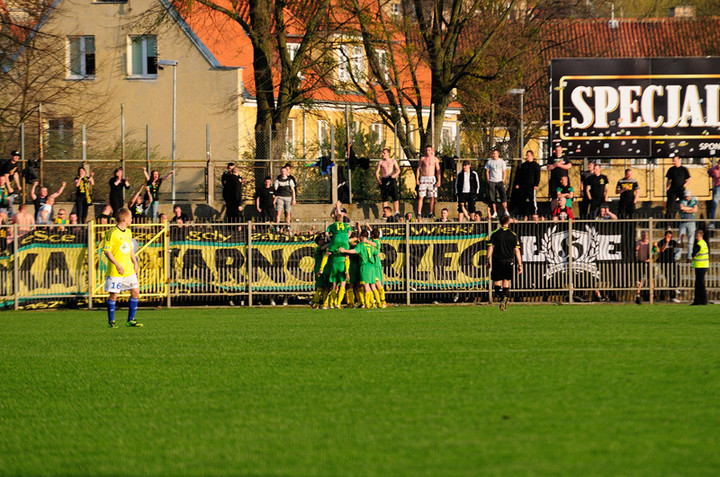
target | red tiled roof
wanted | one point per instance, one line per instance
(231, 46)
(655, 37)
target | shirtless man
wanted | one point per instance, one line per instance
(386, 175)
(427, 179)
(24, 220)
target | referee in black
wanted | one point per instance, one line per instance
(503, 249)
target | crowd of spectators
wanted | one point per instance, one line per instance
(274, 198)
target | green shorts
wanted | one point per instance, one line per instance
(378, 273)
(335, 270)
(321, 281)
(354, 271)
(367, 274)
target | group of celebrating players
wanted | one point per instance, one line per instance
(348, 266)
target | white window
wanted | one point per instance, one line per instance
(290, 138)
(448, 135)
(384, 65)
(343, 71)
(377, 129)
(350, 57)
(323, 134)
(143, 56)
(81, 57)
(292, 49)
(396, 10)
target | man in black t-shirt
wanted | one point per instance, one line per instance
(677, 179)
(596, 190)
(503, 249)
(628, 189)
(265, 201)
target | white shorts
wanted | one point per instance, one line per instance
(427, 187)
(121, 284)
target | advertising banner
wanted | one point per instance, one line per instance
(636, 107)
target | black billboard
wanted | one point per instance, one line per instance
(636, 107)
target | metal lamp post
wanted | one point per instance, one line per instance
(521, 92)
(174, 64)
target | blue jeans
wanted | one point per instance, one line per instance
(153, 210)
(713, 206)
(688, 230)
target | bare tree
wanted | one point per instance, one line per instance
(34, 71)
(284, 78)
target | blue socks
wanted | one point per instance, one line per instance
(111, 311)
(132, 308)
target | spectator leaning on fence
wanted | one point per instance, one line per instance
(701, 263)
(83, 193)
(467, 188)
(153, 182)
(596, 190)
(714, 173)
(527, 180)
(585, 202)
(605, 213)
(628, 189)
(558, 167)
(688, 209)
(677, 181)
(285, 194)
(665, 250)
(118, 183)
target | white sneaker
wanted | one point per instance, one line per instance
(493, 216)
(675, 300)
(272, 302)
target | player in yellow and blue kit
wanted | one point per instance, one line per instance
(123, 267)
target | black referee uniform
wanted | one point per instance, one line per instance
(504, 243)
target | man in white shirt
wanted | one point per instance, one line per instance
(495, 174)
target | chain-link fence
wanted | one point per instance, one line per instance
(321, 170)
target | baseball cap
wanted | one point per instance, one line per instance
(15, 153)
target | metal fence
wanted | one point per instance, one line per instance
(65, 148)
(251, 264)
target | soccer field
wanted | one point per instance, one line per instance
(444, 390)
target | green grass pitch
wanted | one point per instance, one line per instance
(463, 390)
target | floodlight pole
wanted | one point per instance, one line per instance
(174, 64)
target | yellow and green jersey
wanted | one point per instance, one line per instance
(119, 244)
(339, 236)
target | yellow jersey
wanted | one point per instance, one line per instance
(119, 244)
